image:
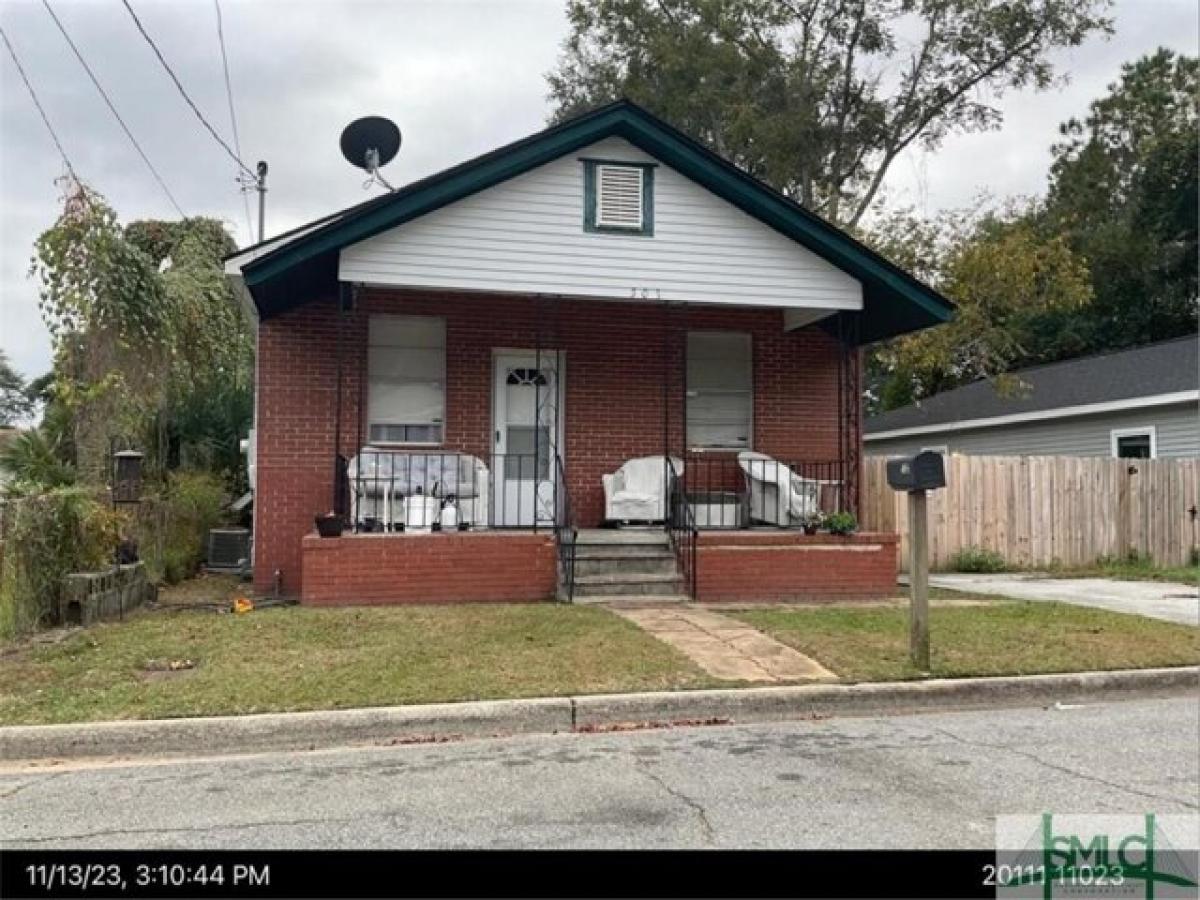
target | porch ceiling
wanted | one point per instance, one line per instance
(796, 315)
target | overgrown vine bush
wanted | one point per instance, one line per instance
(152, 349)
(45, 537)
(173, 525)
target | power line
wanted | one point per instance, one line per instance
(183, 93)
(33, 94)
(113, 110)
(237, 141)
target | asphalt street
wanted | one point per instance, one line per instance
(899, 781)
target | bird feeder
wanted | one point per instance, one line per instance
(127, 476)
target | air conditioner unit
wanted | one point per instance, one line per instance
(228, 550)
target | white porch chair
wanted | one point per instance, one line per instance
(380, 478)
(636, 492)
(778, 496)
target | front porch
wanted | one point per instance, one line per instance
(470, 432)
(717, 515)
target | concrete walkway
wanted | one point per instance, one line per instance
(724, 647)
(1154, 599)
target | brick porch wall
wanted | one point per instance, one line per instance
(489, 566)
(613, 371)
(753, 566)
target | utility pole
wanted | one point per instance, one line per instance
(260, 185)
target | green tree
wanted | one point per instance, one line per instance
(1123, 190)
(1011, 285)
(104, 306)
(210, 382)
(816, 97)
(15, 403)
(146, 332)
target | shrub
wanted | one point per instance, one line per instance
(173, 526)
(1131, 560)
(977, 559)
(841, 523)
(45, 537)
(33, 464)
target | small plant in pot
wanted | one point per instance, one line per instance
(842, 523)
(812, 522)
(330, 524)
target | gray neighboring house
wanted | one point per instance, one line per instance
(1138, 403)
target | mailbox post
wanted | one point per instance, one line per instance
(916, 475)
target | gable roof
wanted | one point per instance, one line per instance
(1166, 370)
(303, 266)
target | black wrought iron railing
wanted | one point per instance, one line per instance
(410, 490)
(681, 528)
(565, 532)
(752, 490)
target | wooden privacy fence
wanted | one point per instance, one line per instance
(1047, 510)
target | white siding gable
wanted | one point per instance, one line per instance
(526, 235)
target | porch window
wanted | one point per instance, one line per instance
(406, 389)
(720, 391)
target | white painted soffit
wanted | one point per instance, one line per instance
(235, 264)
(794, 318)
(796, 315)
(1061, 412)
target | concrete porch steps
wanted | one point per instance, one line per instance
(628, 566)
(627, 583)
(622, 537)
(635, 601)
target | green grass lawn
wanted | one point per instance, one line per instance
(1134, 570)
(297, 658)
(999, 638)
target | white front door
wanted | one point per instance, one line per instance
(526, 400)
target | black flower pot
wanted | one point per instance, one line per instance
(330, 525)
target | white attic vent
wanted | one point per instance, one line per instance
(619, 196)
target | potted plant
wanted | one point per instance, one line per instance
(330, 524)
(842, 523)
(812, 522)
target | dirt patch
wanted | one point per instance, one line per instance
(47, 638)
(161, 669)
(202, 592)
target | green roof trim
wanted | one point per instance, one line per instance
(894, 301)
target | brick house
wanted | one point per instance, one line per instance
(455, 366)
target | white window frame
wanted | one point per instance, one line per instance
(687, 427)
(1150, 431)
(441, 423)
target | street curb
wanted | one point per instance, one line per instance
(488, 718)
(219, 735)
(889, 698)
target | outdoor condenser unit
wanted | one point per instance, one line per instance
(228, 549)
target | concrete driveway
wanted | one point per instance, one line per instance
(1155, 599)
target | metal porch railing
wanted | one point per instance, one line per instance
(728, 493)
(681, 529)
(386, 490)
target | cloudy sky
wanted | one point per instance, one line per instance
(459, 76)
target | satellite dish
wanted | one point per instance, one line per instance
(370, 142)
